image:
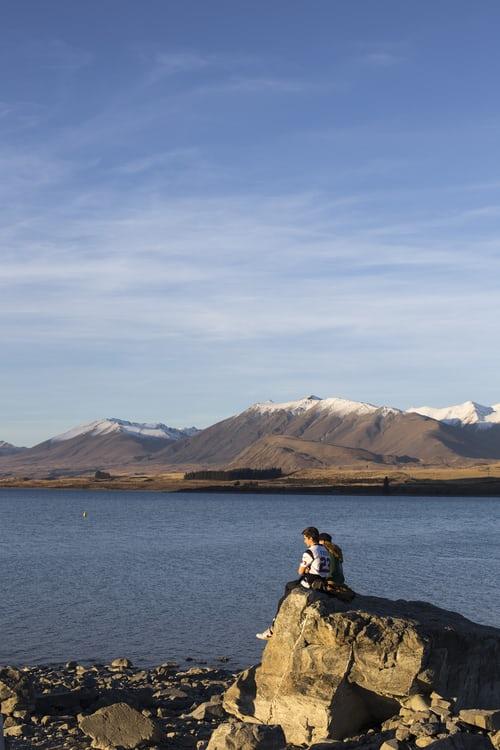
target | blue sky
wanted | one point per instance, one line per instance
(208, 204)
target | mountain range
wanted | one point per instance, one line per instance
(308, 433)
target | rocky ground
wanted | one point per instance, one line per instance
(48, 707)
(74, 707)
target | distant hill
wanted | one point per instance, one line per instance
(7, 449)
(381, 431)
(308, 433)
(292, 454)
(103, 443)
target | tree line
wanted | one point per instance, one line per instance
(232, 474)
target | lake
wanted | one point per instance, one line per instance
(156, 576)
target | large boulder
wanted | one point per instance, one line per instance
(333, 669)
(121, 726)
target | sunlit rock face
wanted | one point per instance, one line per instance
(333, 669)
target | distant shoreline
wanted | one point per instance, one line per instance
(373, 486)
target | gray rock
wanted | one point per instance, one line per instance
(403, 734)
(417, 702)
(332, 668)
(451, 726)
(235, 735)
(424, 741)
(2, 743)
(10, 722)
(119, 726)
(121, 663)
(443, 713)
(18, 730)
(393, 723)
(483, 719)
(424, 730)
(8, 706)
(6, 691)
(390, 745)
(211, 709)
(438, 700)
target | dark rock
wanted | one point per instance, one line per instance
(461, 741)
(137, 697)
(71, 701)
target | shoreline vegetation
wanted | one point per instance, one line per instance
(477, 480)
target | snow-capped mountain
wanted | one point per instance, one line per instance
(101, 444)
(290, 407)
(110, 426)
(339, 406)
(308, 432)
(467, 414)
(380, 430)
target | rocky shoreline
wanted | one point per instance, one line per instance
(46, 707)
(373, 674)
(63, 708)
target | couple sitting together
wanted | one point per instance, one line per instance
(321, 562)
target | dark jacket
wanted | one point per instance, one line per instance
(336, 560)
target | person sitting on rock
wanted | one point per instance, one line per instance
(336, 573)
(314, 566)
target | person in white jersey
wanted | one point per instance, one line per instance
(314, 565)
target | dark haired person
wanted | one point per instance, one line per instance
(336, 573)
(314, 565)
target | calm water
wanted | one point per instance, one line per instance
(159, 576)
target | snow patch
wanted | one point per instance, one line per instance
(468, 413)
(339, 406)
(143, 429)
(343, 407)
(291, 407)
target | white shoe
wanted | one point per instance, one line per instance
(265, 635)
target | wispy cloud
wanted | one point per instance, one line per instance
(175, 157)
(168, 64)
(262, 84)
(380, 59)
(381, 54)
(202, 215)
(225, 268)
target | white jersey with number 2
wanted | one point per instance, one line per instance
(318, 560)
